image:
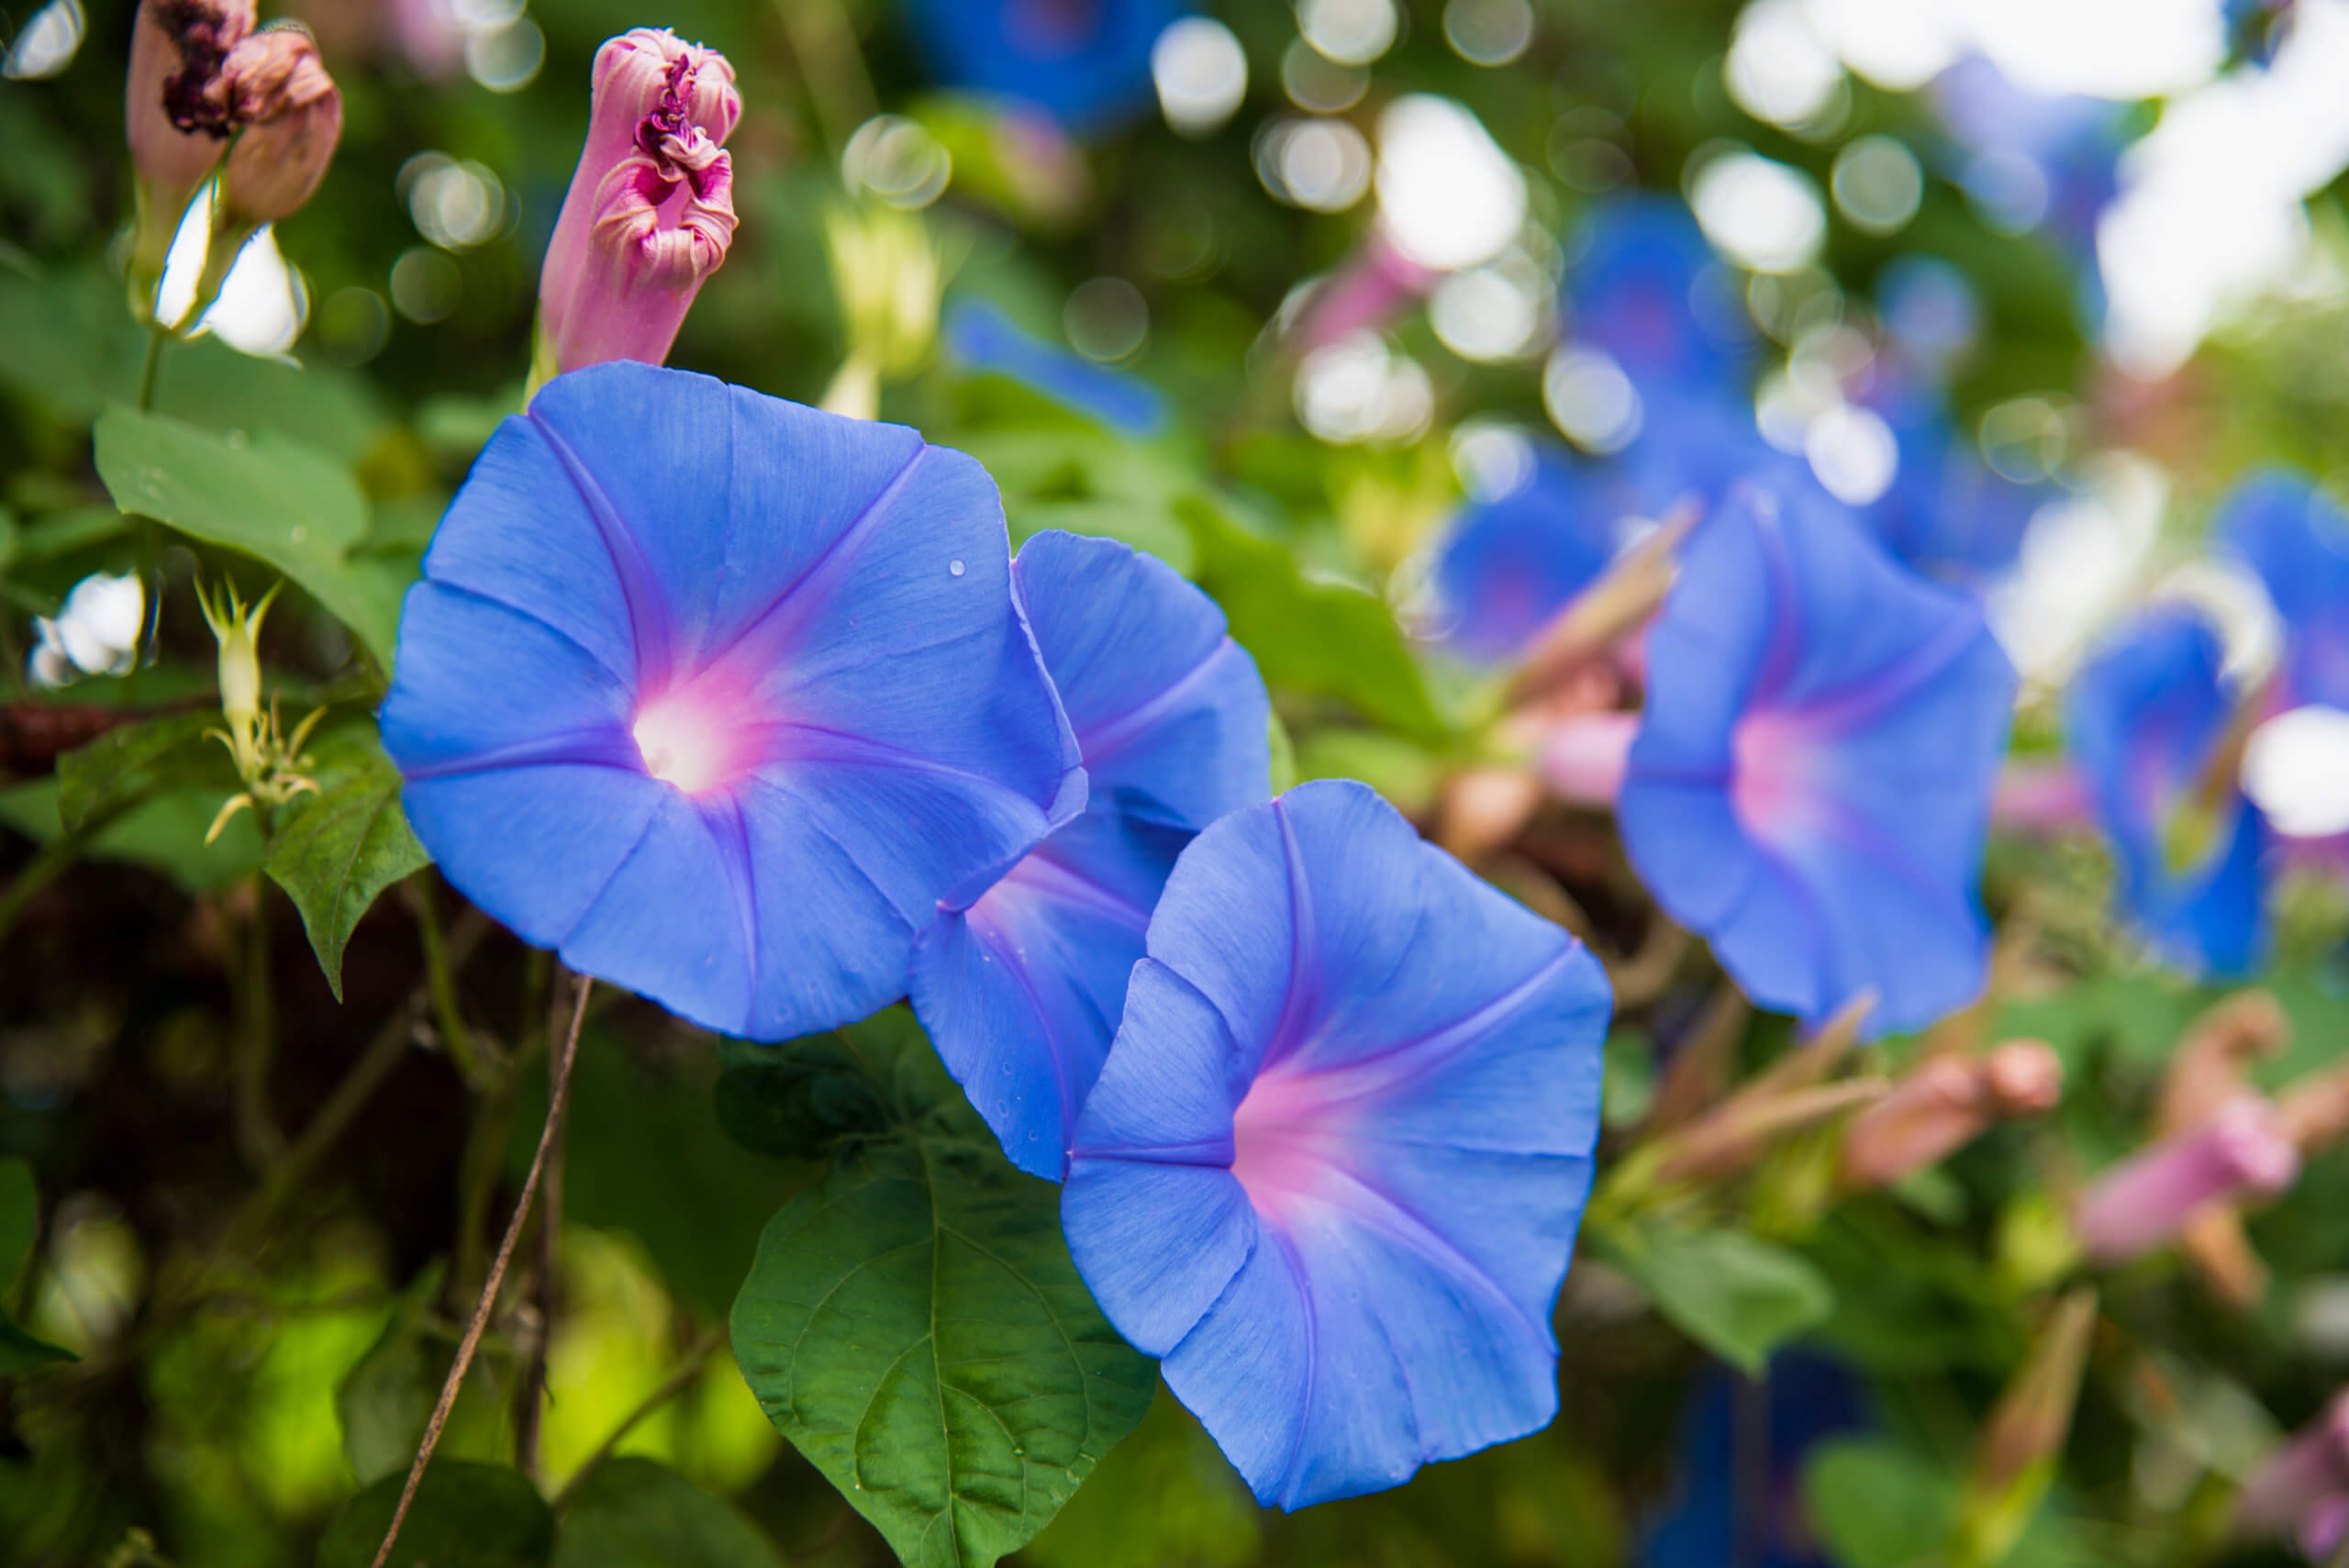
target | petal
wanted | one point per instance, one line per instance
(1169, 1098)
(1647, 289)
(1170, 715)
(675, 923)
(1509, 564)
(1292, 1375)
(1156, 1243)
(532, 846)
(479, 686)
(1021, 993)
(2296, 537)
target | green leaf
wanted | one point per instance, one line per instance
(465, 1516)
(126, 763)
(1875, 1505)
(1737, 1296)
(19, 1221)
(635, 1513)
(343, 846)
(1316, 637)
(270, 498)
(385, 1399)
(165, 834)
(1085, 482)
(798, 1100)
(915, 1327)
(646, 1157)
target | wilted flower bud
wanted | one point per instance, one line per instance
(176, 116)
(2295, 1484)
(651, 209)
(291, 117)
(2243, 1152)
(238, 631)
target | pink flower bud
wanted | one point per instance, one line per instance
(2244, 1150)
(2325, 1529)
(176, 113)
(2298, 1482)
(1587, 755)
(651, 208)
(1944, 1104)
(291, 113)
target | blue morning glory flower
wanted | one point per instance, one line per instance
(719, 696)
(1087, 61)
(1335, 1164)
(2297, 539)
(1648, 290)
(981, 337)
(1022, 988)
(2142, 721)
(1948, 513)
(2032, 160)
(1809, 787)
(1509, 564)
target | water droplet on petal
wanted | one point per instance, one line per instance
(954, 569)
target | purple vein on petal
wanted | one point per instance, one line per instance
(1389, 1069)
(1784, 650)
(625, 680)
(1053, 878)
(1298, 999)
(1865, 701)
(1381, 1211)
(612, 875)
(1099, 740)
(648, 614)
(786, 741)
(722, 813)
(602, 746)
(834, 557)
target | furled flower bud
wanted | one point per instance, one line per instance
(651, 209)
(1943, 1105)
(2208, 1067)
(2016, 1460)
(292, 115)
(177, 118)
(2295, 1484)
(2244, 1150)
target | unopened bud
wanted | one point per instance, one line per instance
(2315, 1110)
(1944, 1103)
(1586, 754)
(2243, 1152)
(292, 116)
(1485, 808)
(176, 117)
(2017, 1458)
(2023, 1077)
(2208, 1067)
(650, 214)
(1734, 1136)
(238, 631)
(2298, 1479)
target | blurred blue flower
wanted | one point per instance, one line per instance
(2142, 722)
(1929, 311)
(2031, 160)
(1509, 563)
(981, 338)
(1087, 61)
(1647, 290)
(719, 696)
(1334, 1165)
(2297, 539)
(1947, 512)
(1021, 989)
(1811, 785)
(1808, 1399)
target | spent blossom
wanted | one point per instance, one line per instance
(651, 209)
(176, 116)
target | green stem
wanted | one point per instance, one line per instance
(681, 1377)
(258, 1135)
(157, 334)
(823, 46)
(441, 981)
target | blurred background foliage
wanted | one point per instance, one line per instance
(232, 1429)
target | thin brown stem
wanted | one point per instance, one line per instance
(546, 1282)
(471, 1341)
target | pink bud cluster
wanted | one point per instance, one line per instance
(651, 209)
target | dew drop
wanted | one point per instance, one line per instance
(297, 533)
(954, 569)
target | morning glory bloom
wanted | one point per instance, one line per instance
(1809, 787)
(1335, 1164)
(1021, 989)
(2141, 721)
(1947, 513)
(719, 696)
(1647, 290)
(1087, 61)
(1511, 562)
(2031, 160)
(2297, 539)
(982, 339)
